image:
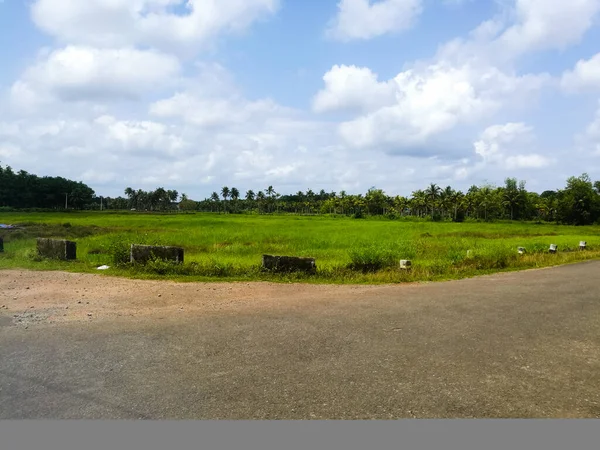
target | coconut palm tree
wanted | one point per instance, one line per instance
(215, 198)
(433, 193)
(225, 194)
(235, 195)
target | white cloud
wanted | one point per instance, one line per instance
(503, 145)
(547, 24)
(420, 103)
(208, 111)
(366, 19)
(352, 88)
(585, 75)
(169, 24)
(77, 73)
(526, 162)
(142, 136)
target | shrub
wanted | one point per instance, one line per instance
(371, 259)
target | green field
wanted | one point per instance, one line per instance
(229, 247)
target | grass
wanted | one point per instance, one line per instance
(229, 247)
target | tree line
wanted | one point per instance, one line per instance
(578, 203)
(21, 190)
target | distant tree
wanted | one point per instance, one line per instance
(214, 197)
(578, 203)
(225, 194)
(433, 193)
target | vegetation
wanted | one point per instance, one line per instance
(229, 247)
(577, 204)
(23, 190)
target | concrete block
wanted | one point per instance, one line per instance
(582, 245)
(405, 264)
(141, 254)
(57, 249)
(553, 248)
(286, 264)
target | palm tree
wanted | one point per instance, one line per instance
(418, 201)
(225, 194)
(235, 195)
(215, 198)
(446, 199)
(260, 197)
(484, 197)
(250, 196)
(433, 193)
(271, 194)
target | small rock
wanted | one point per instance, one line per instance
(67, 307)
(160, 295)
(89, 314)
(79, 302)
(32, 307)
(14, 298)
(87, 303)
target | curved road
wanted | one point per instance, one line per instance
(510, 345)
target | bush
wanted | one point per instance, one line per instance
(358, 214)
(371, 259)
(119, 251)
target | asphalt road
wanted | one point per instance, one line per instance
(516, 345)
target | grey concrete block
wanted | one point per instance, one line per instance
(286, 264)
(141, 254)
(57, 249)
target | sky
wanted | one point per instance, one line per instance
(321, 94)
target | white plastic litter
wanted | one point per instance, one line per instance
(103, 267)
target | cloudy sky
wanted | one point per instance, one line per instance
(323, 94)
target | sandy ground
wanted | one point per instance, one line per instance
(57, 297)
(513, 345)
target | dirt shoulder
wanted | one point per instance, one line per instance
(55, 297)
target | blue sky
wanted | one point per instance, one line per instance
(329, 94)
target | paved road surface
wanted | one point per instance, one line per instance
(510, 345)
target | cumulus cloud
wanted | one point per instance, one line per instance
(584, 77)
(208, 111)
(366, 19)
(418, 104)
(503, 145)
(351, 88)
(77, 73)
(548, 24)
(171, 24)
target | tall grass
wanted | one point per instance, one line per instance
(347, 250)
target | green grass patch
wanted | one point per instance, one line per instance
(229, 247)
